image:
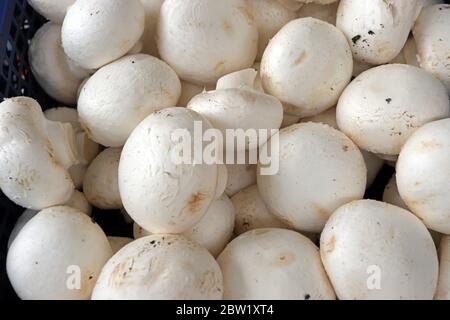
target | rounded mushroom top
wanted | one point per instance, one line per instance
(373, 250)
(58, 242)
(203, 40)
(380, 38)
(96, 32)
(306, 65)
(383, 106)
(109, 111)
(51, 9)
(31, 175)
(163, 184)
(273, 264)
(180, 270)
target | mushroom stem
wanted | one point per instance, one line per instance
(70, 147)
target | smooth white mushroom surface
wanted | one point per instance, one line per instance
(422, 174)
(380, 38)
(118, 243)
(109, 111)
(201, 45)
(160, 194)
(324, 12)
(306, 65)
(101, 185)
(373, 250)
(432, 36)
(97, 32)
(214, 230)
(54, 71)
(35, 154)
(58, 254)
(180, 270)
(270, 16)
(53, 10)
(240, 176)
(252, 213)
(383, 106)
(273, 264)
(313, 157)
(443, 288)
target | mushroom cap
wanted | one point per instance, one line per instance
(108, 111)
(222, 180)
(51, 248)
(292, 5)
(432, 37)
(320, 169)
(443, 287)
(30, 174)
(78, 201)
(165, 197)
(422, 174)
(96, 32)
(321, 11)
(312, 79)
(101, 185)
(180, 270)
(56, 74)
(118, 243)
(240, 176)
(369, 241)
(269, 16)
(273, 264)
(201, 45)
(240, 108)
(252, 213)
(26, 216)
(379, 39)
(51, 9)
(383, 106)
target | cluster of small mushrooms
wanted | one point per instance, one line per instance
(353, 85)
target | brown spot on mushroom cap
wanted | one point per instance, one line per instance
(219, 67)
(195, 201)
(345, 148)
(120, 271)
(301, 58)
(227, 26)
(426, 146)
(247, 14)
(330, 245)
(321, 211)
(284, 259)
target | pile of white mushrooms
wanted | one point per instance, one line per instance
(351, 85)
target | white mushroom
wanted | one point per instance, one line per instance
(118, 243)
(240, 108)
(273, 264)
(240, 176)
(373, 250)
(54, 71)
(270, 16)
(383, 106)
(160, 194)
(214, 230)
(26, 216)
(152, 9)
(58, 254)
(180, 270)
(222, 180)
(97, 32)
(109, 111)
(101, 185)
(201, 45)
(373, 162)
(292, 5)
(69, 115)
(51, 9)
(252, 213)
(324, 12)
(36, 153)
(432, 36)
(422, 174)
(307, 65)
(320, 169)
(377, 29)
(443, 288)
